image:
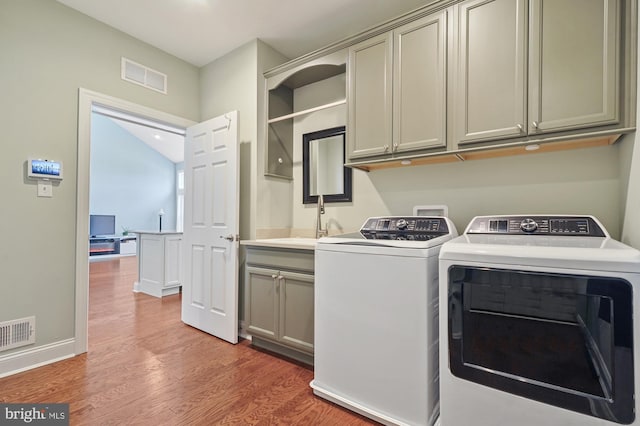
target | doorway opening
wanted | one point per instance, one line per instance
(90, 103)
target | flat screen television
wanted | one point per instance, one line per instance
(102, 225)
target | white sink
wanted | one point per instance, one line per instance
(292, 243)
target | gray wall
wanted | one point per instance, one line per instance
(129, 179)
(48, 52)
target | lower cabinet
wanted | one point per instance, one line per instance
(159, 263)
(280, 301)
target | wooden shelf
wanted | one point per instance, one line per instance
(523, 148)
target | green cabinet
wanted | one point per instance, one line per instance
(397, 90)
(574, 64)
(562, 74)
(369, 82)
(280, 300)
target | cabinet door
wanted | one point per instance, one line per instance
(262, 293)
(151, 261)
(173, 261)
(296, 310)
(369, 90)
(489, 69)
(419, 84)
(574, 71)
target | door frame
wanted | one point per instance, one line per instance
(86, 100)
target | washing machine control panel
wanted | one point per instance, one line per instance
(417, 228)
(536, 225)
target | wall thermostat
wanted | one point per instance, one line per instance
(44, 169)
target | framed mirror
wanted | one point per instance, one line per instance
(323, 170)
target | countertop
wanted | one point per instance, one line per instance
(157, 232)
(296, 243)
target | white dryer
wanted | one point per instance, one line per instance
(376, 318)
(537, 324)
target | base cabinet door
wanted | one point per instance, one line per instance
(262, 291)
(296, 310)
(173, 261)
(281, 307)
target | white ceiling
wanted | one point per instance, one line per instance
(168, 144)
(199, 31)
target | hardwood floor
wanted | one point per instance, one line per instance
(145, 366)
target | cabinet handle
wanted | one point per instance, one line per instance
(520, 128)
(395, 146)
(535, 125)
(274, 276)
(386, 148)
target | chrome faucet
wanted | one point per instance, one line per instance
(320, 211)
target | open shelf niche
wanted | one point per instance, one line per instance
(280, 111)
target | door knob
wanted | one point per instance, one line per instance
(228, 237)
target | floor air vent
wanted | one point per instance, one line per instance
(17, 333)
(144, 76)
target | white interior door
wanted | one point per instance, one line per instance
(210, 289)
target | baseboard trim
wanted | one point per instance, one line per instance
(28, 359)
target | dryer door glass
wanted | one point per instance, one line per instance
(565, 340)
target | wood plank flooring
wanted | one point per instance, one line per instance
(146, 367)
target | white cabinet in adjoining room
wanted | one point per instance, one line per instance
(159, 263)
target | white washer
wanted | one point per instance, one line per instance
(376, 318)
(537, 324)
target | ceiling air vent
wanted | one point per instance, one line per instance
(144, 76)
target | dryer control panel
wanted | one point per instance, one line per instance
(417, 228)
(537, 225)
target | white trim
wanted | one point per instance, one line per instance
(128, 117)
(354, 406)
(86, 101)
(18, 362)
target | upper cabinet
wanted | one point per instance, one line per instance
(369, 82)
(574, 64)
(561, 75)
(454, 78)
(397, 90)
(489, 60)
(420, 84)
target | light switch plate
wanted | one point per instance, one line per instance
(45, 189)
